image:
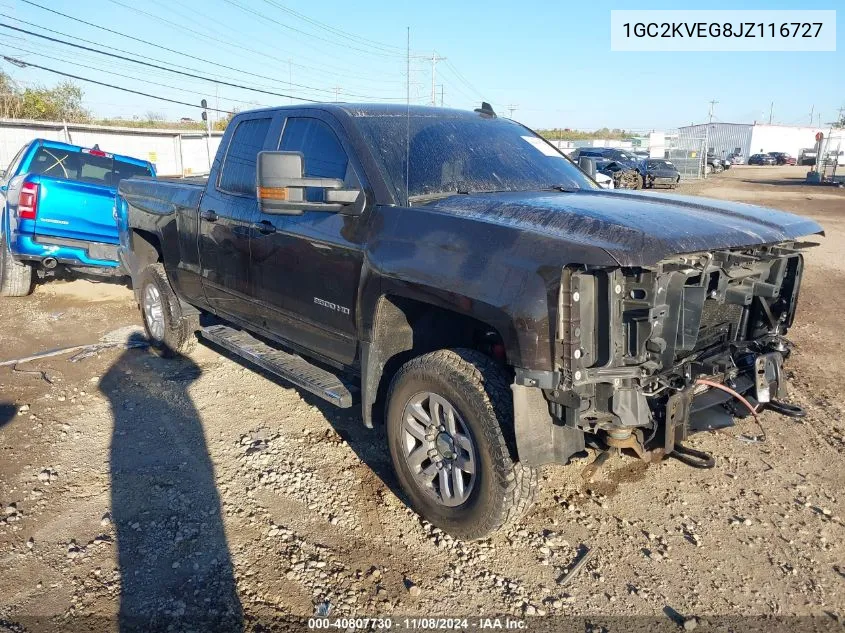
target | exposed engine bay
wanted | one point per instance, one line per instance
(645, 353)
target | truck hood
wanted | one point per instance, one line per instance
(635, 228)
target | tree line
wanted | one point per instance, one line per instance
(64, 102)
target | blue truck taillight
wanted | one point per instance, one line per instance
(28, 201)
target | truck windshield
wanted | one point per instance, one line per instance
(75, 165)
(465, 154)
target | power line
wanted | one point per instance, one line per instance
(23, 64)
(289, 62)
(307, 34)
(336, 31)
(162, 47)
(143, 63)
(121, 50)
(116, 74)
(463, 79)
(215, 79)
(238, 70)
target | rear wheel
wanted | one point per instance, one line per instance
(447, 412)
(169, 330)
(15, 277)
(638, 184)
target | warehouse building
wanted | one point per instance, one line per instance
(754, 138)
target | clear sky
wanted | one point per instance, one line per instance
(551, 60)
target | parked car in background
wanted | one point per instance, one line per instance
(58, 211)
(714, 164)
(762, 159)
(622, 175)
(624, 167)
(783, 158)
(605, 181)
(735, 159)
(661, 172)
(807, 156)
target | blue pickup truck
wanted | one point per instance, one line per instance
(58, 210)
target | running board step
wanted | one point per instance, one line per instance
(292, 368)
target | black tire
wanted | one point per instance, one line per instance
(639, 183)
(15, 277)
(480, 392)
(177, 334)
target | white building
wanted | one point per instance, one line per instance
(173, 152)
(754, 138)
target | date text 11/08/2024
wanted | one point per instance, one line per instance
(418, 624)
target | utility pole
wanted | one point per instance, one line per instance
(713, 103)
(434, 59)
(441, 95)
(812, 107)
(336, 93)
(510, 108)
(290, 79)
(771, 112)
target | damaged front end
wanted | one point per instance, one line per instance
(647, 355)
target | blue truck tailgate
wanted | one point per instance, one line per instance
(75, 210)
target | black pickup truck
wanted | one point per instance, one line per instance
(471, 288)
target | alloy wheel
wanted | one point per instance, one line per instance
(154, 312)
(439, 449)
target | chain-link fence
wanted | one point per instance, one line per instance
(687, 150)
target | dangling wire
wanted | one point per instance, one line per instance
(753, 410)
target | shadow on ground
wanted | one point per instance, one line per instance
(175, 566)
(369, 445)
(7, 413)
(781, 182)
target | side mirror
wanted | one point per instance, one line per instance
(280, 186)
(2, 173)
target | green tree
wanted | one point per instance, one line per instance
(61, 103)
(220, 124)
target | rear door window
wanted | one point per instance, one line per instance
(238, 173)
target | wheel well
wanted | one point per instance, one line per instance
(406, 328)
(146, 247)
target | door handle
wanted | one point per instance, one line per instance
(209, 215)
(265, 227)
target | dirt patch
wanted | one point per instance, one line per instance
(132, 485)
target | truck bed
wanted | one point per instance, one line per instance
(161, 196)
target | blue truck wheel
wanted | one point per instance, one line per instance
(15, 277)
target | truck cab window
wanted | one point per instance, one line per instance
(324, 155)
(238, 174)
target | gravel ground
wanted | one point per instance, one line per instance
(140, 492)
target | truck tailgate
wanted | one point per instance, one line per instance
(75, 210)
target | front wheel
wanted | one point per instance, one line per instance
(170, 331)
(447, 415)
(15, 277)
